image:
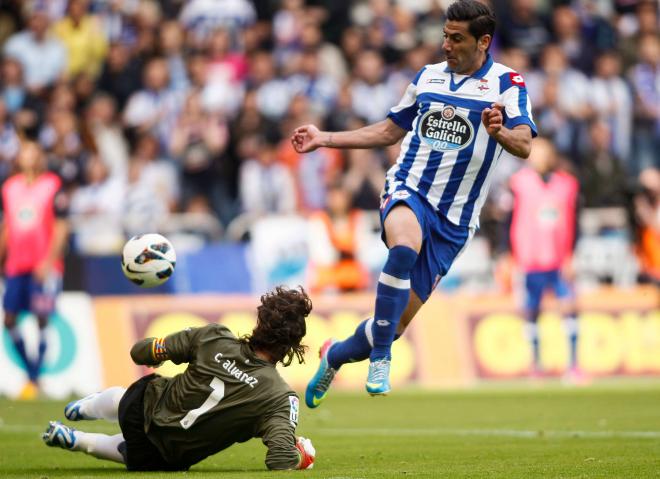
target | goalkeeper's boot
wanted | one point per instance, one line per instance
(74, 411)
(59, 435)
(318, 387)
(378, 380)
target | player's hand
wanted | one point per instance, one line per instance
(492, 118)
(42, 272)
(306, 138)
(307, 453)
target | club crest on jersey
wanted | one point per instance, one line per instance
(446, 129)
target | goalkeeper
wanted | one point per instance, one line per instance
(230, 392)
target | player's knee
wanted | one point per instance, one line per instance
(401, 258)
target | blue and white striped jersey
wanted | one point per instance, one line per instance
(447, 155)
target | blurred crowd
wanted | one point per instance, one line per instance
(147, 108)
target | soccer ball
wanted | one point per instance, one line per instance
(148, 260)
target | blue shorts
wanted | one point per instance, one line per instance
(442, 241)
(536, 283)
(24, 293)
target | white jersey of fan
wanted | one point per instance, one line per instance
(447, 156)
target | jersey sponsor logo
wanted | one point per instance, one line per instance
(295, 407)
(446, 129)
(516, 79)
(233, 370)
(440, 81)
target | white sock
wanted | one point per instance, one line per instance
(105, 405)
(101, 446)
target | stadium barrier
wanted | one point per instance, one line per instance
(456, 341)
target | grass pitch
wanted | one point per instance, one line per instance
(518, 432)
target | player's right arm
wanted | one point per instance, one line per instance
(308, 138)
(285, 450)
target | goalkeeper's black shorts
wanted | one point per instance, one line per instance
(140, 454)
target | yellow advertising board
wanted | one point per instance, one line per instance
(454, 341)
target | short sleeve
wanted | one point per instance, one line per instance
(517, 106)
(404, 113)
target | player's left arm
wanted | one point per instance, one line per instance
(509, 120)
(60, 236)
(179, 348)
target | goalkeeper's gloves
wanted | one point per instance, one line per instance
(307, 453)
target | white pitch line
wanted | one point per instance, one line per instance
(517, 433)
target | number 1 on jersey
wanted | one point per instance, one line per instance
(217, 393)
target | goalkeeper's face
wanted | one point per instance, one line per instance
(465, 54)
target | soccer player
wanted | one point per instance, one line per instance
(457, 118)
(542, 239)
(230, 392)
(32, 241)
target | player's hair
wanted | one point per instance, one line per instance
(480, 17)
(281, 324)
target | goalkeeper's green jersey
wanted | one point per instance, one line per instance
(226, 395)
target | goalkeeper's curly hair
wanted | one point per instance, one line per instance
(281, 324)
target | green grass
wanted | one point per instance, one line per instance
(611, 430)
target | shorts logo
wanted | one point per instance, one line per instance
(382, 322)
(400, 195)
(446, 129)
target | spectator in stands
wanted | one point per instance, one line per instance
(96, 210)
(106, 133)
(273, 94)
(265, 185)
(602, 173)
(197, 142)
(153, 188)
(202, 17)
(312, 172)
(568, 35)
(320, 89)
(34, 232)
(154, 109)
(610, 98)
(9, 142)
(83, 38)
(226, 69)
(647, 212)
(372, 96)
(645, 79)
(522, 26)
(337, 236)
(42, 56)
(559, 116)
(364, 178)
(542, 241)
(645, 23)
(171, 45)
(121, 74)
(26, 108)
(330, 59)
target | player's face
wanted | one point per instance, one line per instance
(464, 52)
(30, 158)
